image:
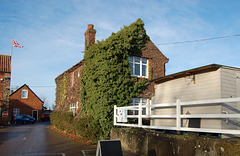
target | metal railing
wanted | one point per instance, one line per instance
(121, 115)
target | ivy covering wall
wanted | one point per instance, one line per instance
(105, 81)
(106, 77)
(63, 92)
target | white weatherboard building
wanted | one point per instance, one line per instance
(208, 82)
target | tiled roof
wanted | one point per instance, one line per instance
(5, 63)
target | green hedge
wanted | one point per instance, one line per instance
(62, 121)
(82, 127)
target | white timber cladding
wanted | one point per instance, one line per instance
(238, 92)
(222, 83)
(228, 83)
(230, 89)
(190, 88)
(203, 86)
(238, 87)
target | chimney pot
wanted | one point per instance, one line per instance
(90, 26)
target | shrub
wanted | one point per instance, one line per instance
(62, 121)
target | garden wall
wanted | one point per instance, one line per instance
(145, 142)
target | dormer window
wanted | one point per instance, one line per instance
(24, 94)
(139, 66)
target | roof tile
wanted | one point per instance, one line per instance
(5, 63)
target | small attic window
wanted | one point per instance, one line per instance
(24, 94)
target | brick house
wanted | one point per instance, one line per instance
(5, 77)
(69, 81)
(148, 64)
(25, 101)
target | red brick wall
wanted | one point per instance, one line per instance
(1, 87)
(156, 67)
(72, 92)
(4, 88)
(4, 95)
(72, 88)
(26, 105)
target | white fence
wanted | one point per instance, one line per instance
(121, 115)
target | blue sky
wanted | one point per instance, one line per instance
(52, 33)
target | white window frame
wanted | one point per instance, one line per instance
(72, 79)
(135, 103)
(77, 105)
(133, 62)
(16, 111)
(23, 96)
(72, 108)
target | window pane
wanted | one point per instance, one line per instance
(131, 58)
(137, 69)
(24, 93)
(144, 100)
(131, 102)
(144, 70)
(16, 111)
(137, 59)
(139, 66)
(144, 111)
(144, 61)
(131, 66)
(137, 101)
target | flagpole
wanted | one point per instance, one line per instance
(11, 48)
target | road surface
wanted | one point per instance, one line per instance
(37, 140)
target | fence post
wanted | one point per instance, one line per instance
(178, 114)
(114, 115)
(150, 108)
(140, 114)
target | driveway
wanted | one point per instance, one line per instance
(37, 140)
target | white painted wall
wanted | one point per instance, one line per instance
(222, 83)
(203, 86)
(206, 86)
(230, 88)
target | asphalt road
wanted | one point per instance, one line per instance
(37, 140)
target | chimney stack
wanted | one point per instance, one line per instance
(89, 36)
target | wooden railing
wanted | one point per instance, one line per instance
(122, 116)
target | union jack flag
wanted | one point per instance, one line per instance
(15, 44)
